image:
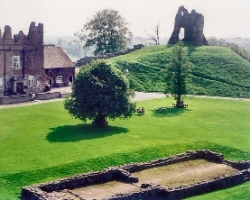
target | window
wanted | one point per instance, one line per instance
(16, 62)
(59, 79)
(1, 82)
(31, 81)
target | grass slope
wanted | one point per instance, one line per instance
(43, 142)
(235, 193)
(216, 70)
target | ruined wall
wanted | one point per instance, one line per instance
(87, 60)
(147, 191)
(192, 23)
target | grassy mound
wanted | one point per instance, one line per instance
(216, 71)
(43, 142)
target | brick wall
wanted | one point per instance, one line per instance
(29, 48)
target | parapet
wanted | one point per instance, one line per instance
(7, 33)
(34, 37)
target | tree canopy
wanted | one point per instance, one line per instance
(177, 72)
(99, 91)
(107, 32)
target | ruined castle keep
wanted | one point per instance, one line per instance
(192, 23)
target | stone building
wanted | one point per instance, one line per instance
(192, 23)
(27, 65)
(57, 66)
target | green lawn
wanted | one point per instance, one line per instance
(234, 193)
(43, 142)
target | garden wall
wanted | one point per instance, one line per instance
(86, 60)
(148, 191)
(15, 99)
(48, 95)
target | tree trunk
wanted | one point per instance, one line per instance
(100, 121)
(179, 102)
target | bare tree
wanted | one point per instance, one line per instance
(155, 36)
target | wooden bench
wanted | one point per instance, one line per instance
(184, 105)
(162, 109)
(140, 111)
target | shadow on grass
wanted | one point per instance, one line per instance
(170, 112)
(191, 49)
(74, 133)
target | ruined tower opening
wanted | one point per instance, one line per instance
(188, 27)
(181, 33)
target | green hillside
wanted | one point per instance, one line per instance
(216, 71)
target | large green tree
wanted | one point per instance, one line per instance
(99, 91)
(107, 32)
(176, 74)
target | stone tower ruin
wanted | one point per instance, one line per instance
(192, 23)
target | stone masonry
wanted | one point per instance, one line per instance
(29, 51)
(192, 23)
(27, 66)
(63, 188)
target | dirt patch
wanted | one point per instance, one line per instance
(183, 173)
(109, 189)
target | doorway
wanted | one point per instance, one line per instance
(19, 88)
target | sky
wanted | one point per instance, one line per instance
(223, 18)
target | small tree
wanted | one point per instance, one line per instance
(107, 32)
(177, 71)
(100, 91)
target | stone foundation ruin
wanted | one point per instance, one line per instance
(125, 175)
(192, 23)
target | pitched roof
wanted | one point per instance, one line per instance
(55, 57)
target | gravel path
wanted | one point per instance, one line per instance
(139, 96)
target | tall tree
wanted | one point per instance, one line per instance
(177, 72)
(100, 91)
(107, 31)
